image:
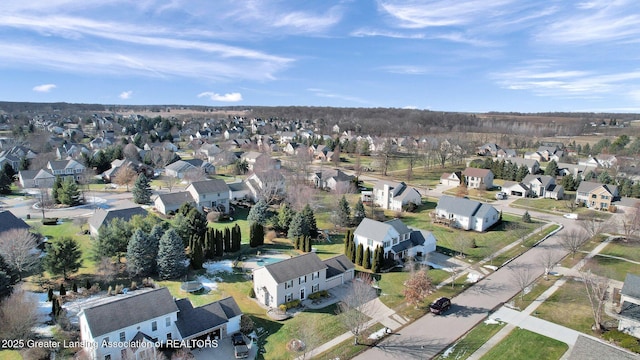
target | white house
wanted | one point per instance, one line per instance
(630, 309)
(393, 195)
(171, 202)
(66, 168)
(265, 184)
(396, 239)
(542, 186)
(451, 179)
(210, 194)
(466, 214)
(129, 326)
(298, 277)
(476, 178)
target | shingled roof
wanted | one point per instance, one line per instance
(210, 186)
(196, 321)
(338, 265)
(129, 310)
(296, 267)
(631, 286)
(101, 217)
(8, 221)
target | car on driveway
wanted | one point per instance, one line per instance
(440, 305)
(240, 348)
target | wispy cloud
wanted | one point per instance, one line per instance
(44, 88)
(331, 95)
(364, 32)
(406, 69)
(229, 97)
(125, 95)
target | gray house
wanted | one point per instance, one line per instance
(466, 214)
(102, 217)
(171, 202)
(630, 309)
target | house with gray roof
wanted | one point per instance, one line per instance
(36, 178)
(476, 178)
(101, 217)
(595, 195)
(331, 179)
(466, 214)
(8, 221)
(587, 348)
(128, 326)
(298, 277)
(210, 194)
(396, 239)
(171, 202)
(629, 320)
(393, 195)
(542, 186)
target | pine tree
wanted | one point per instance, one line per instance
(219, 243)
(236, 238)
(523, 171)
(343, 213)
(50, 294)
(209, 244)
(69, 193)
(352, 251)
(141, 254)
(259, 212)
(197, 256)
(359, 254)
(298, 226)
(196, 223)
(358, 212)
(227, 240)
(55, 189)
(347, 237)
(62, 291)
(284, 217)
(75, 288)
(87, 284)
(381, 258)
(256, 235)
(526, 217)
(307, 244)
(375, 265)
(141, 190)
(63, 256)
(367, 259)
(310, 220)
(171, 256)
(551, 169)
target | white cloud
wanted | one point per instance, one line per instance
(44, 88)
(125, 94)
(406, 69)
(229, 97)
(330, 95)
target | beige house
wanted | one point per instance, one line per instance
(478, 178)
(451, 179)
(595, 195)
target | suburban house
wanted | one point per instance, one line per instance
(542, 186)
(565, 169)
(396, 239)
(265, 184)
(488, 149)
(587, 348)
(36, 179)
(466, 214)
(331, 179)
(8, 221)
(171, 202)
(101, 217)
(238, 191)
(393, 195)
(532, 165)
(210, 194)
(478, 178)
(630, 306)
(182, 168)
(595, 195)
(68, 167)
(451, 179)
(600, 161)
(298, 277)
(140, 320)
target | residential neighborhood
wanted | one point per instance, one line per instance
(235, 236)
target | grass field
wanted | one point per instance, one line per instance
(471, 342)
(536, 289)
(10, 355)
(524, 344)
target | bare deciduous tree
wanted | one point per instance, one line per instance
(573, 240)
(522, 277)
(169, 182)
(130, 152)
(107, 270)
(596, 290)
(549, 259)
(592, 224)
(630, 222)
(18, 248)
(195, 174)
(356, 304)
(385, 156)
(307, 334)
(18, 314)
(461, 243)
(125, 176)
(271, 185)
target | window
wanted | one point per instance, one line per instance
(593, 196)
(387, 243)
(288, 297)
(315, 275)
(123, 354)
(369, 242)
(302, 279)
(167, 322)
(107, 357)
(122, 336)
(395, 241)
(315, 288)
(288, 284)
(154, 326)
(106, 339)
(168, 336)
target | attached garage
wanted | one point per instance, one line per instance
(339, 271)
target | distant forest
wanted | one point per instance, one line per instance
(374, 121)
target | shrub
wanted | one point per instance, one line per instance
(110, 291)
(318, 294)
(283, 308)
(246, 324)
(213, 216)
(50, 221)
(624, 340)
(291, 304)
(252, 293)
(118, 289)
(134, 286)
(410, 207)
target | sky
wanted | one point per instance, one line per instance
(453, 55)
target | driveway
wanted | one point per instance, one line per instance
(223, 351)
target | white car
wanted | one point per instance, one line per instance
(571, 216)
(501, 195)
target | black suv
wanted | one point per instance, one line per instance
(240, 348)
(441, 305)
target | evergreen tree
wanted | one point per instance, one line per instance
(63, 256)
(50, 294)
(526, 217)
(219, 243)
(310, 220)
(171, 257)
(112, 240)
(259, 212)
(185, 208)
(551, 169)
(55, 189)
(74, 288)
(343, 212)
(367, 259)
(353, 251)
(69, 193)
(236, 238)
(256, 235)
(298, 226)
(197, 255)
(10, 171)
(227, 240)
(375, 266)
(359, 254)
(62, 291)
(307, 244)
(568, 182)
(358, 212)
(6, 282)
(141, 190)
(523, 171)
(347, 238)
(284, 217)
(141, 254)
(5, 182)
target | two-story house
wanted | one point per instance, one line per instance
(210, 194)
(298, 277)
(466, 214)
(532, 165)
(68, 167)
(630, 306)
(130, 326)
(542, 186)
(396, 239)
(265, 185)
(393, 195)
(332, 179)
(595, 195)
(478, 178)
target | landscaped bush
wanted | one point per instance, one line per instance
(318, 294)
(50, 221)
(213, 216)
(624, 340)
(252, 293)
(291, 304)
(282, 308)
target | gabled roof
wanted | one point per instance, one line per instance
(210, 186)
(176, 198)
(588, 186)
(372, 229)
(545, 180)
(459, 206)
(126, 311)
(476, 172)
(8, 221)
(101, 217)
(179, 166)
(194, 321)
(338, 265)
(296, 267)
(589, 349)
(631, 286)
(399, 226)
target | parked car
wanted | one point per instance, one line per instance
(440, 305)
(571, 216)
(240, 348)
(501, 195)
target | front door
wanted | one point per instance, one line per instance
(302, 294)
(266, 298)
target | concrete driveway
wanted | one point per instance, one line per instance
(223, 351)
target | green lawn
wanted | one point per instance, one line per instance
(538, 287)
(10, 355)
(240, 218)
(347, 350)
(628, 250)
(472, 341)
(524, 344)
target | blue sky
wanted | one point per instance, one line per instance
(462, 55)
